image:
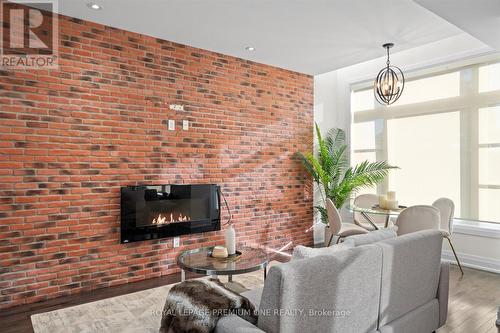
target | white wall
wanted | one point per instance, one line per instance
(329, 112)
(332, 109)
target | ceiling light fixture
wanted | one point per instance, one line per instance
(94, 6)
(250, 48)
(390, 82)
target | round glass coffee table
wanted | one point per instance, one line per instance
(199, 261)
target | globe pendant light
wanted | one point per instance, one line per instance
(389, 83)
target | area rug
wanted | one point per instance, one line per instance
(131, 313)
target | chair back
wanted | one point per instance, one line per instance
(334, 219)
(367, 201)
(416, 218)
(446, 209)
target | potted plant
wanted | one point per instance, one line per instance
(332, 172)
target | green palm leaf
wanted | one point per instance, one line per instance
(330, 169)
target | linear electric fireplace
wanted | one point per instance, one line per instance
(159, 211)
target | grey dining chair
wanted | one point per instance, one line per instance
(424, 217)
(367, 201)
(337, 228)
(446, 209)
(416, 218)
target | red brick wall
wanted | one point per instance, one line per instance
(71, 137)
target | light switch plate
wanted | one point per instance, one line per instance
(177, 241)
(171, 125)
(185, 125)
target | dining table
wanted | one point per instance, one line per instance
(367, 212)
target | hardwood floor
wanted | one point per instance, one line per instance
(474, 300)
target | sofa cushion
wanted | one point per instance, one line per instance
(253, 296)
(235, 324)
(410, 273)
(346, 284)
(304, 252)
(371, 237)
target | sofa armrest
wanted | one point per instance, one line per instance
(442, 293)
(235, 324)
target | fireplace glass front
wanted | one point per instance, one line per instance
(158, 211)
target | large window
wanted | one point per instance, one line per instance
(443, 133)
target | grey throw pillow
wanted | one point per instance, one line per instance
(371, 237)
(304, 252)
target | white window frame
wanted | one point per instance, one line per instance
(467, 104)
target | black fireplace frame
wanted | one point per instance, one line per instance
(131, 232)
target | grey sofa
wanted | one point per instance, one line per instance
(395, 285)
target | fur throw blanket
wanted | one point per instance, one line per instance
(195, 306)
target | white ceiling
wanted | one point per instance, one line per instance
(308, 36)
(480, 18)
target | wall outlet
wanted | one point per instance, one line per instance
(176, 107)
(177, 241)
(185, 125)
(171, 125)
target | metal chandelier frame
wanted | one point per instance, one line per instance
(390, 82)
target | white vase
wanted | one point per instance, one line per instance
(230, 240)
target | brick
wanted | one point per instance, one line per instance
(99, 123)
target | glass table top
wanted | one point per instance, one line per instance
(200, 261)
(375, 210)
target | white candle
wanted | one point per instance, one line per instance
(219, 252)
(391, 195)
(382, 201)
(392, 204)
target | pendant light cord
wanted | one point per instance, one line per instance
(227, 207)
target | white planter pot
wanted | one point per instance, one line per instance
(318, 233)
(328, 234)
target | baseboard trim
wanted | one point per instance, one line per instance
(472, 261)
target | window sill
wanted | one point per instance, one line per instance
(476, 228)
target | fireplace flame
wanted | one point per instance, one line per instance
(164, 219)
